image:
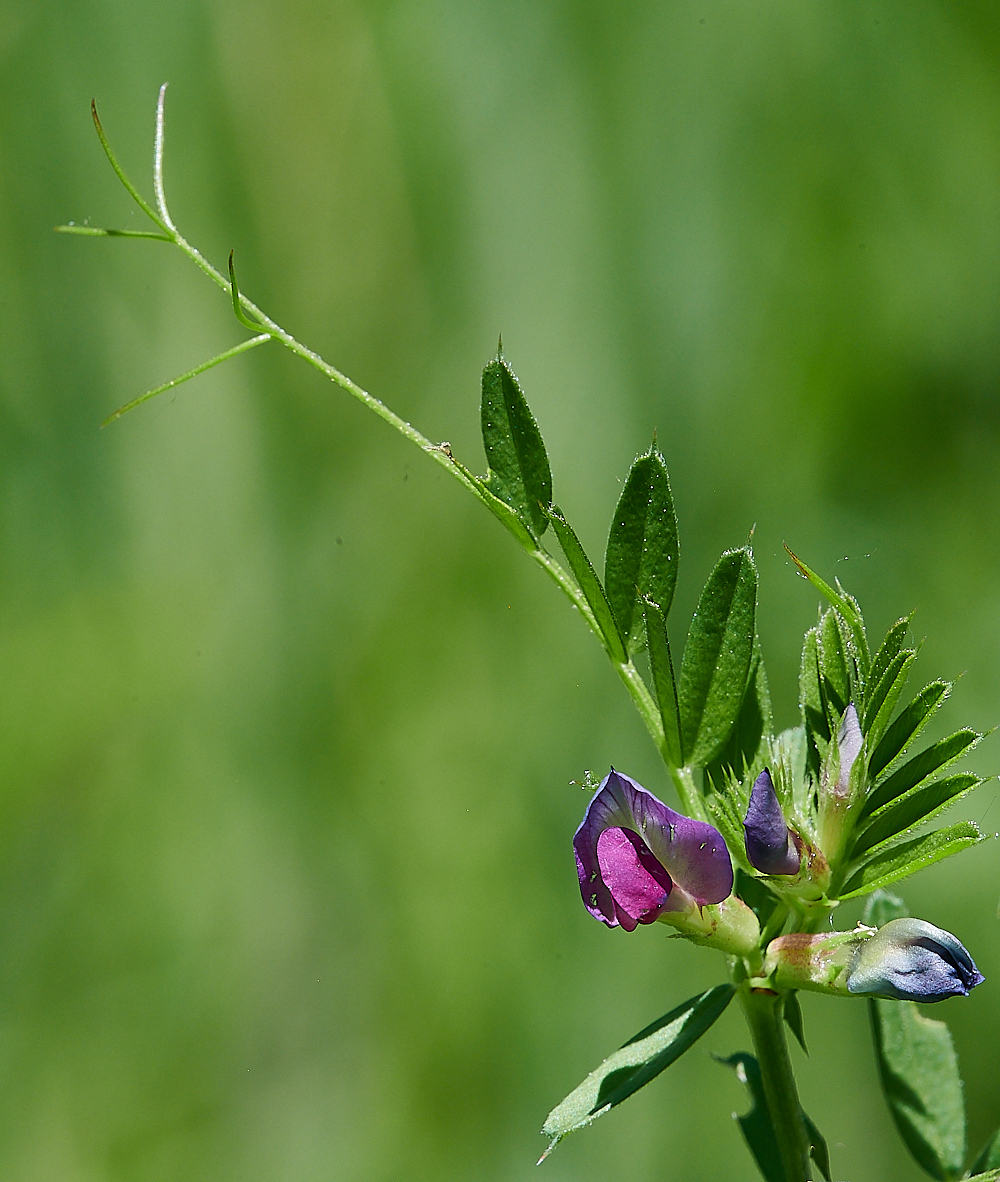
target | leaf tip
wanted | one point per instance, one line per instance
(552, 1144)
(500, 358)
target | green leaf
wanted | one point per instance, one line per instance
(662, 665)
(992, 1176)
(758, 1130)
(811, 703)
(847, 606)
(919, 1071)
(882, 699)
(590, 584)
(889, 649)
(908, 725)
(641, 558)
(916, 807)
(717, 656)
(903, 860)
(989, 1156)
(834, 663)
(753, 727)
(641, 1059)
(920, 768)
(792, 1013)
(518, 465)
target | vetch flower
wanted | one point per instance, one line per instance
(770, 845)
(912, 960)
(636, 858)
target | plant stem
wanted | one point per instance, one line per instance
(762, 1009)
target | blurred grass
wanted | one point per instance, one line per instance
(285, 884)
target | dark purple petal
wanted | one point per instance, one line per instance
(912, 960)
(692, 853)
(769, 844)
(849, 744)
(638, 883)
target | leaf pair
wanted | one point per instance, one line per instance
(910, 796)
(918, 1068)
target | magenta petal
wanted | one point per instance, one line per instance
(638, 883)
(692, 852)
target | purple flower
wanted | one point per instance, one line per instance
(636, 858)
(912, 960)
(770, 846)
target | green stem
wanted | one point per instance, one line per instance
(762, 1010)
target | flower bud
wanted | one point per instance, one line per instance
(849, 744)
(912, 960)
(906, 959)
(770, 845)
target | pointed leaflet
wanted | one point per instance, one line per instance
(758, 1131)
(590, 584)
(921, 767)
(641, 1059)
(888, 650)
(662, 665)
(911, 721)
(754, 725)
(814, 720)
(641, 558)
(919, 1072)
(518, 465)
(834, 663)
(717, 656)
(917, 807)
(848, 608)
(903, 860)
(882, 698)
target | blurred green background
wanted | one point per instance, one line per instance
(286, 886)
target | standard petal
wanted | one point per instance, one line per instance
(769, 844)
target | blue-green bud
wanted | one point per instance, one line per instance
(906, 959)
(912, 960)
